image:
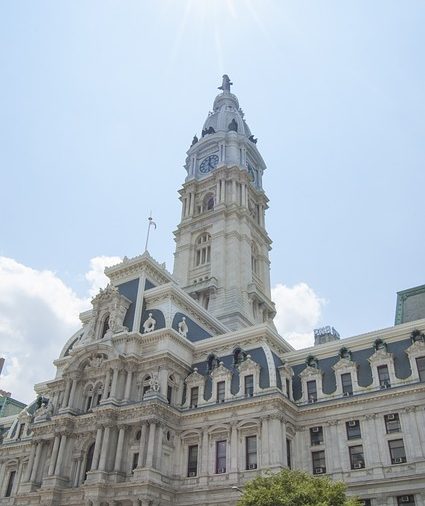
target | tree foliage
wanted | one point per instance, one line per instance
(295, 488)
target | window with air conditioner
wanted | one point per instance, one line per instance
(347, 384)
(316, 436)
(194, 397)
(312, 391)
(356, 457)
(384, 376)
(406, 500)
(397, 451)
(220, 457)
(353, 429)
(251, 452)
(392, 423)
(319, 462)
(192, 461)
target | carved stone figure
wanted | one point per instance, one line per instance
(154, 383)
(233, 126)
(183, 328)
(225, 86)
(149, 324)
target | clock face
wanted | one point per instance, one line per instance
(209, 163)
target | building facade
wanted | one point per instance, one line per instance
(177, 388)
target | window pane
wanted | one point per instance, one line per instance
(220, 457)
(356, 457)
(406, 500)
(316, 435)
(251, 452)
(10, 484)
(288, 453)
(220, 391)
(353, 429)
(249, 385)
(384, 376)
(312, 390)
(194, 393)
(347, 386)
(319, 464)
(135, 461)
(398, 455)
(392, 423)
(192, 465)
(420, 361)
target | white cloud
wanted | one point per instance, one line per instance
(299, 311)
(38, 313)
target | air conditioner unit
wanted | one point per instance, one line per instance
(315, 429)
(386, 384)
(193, 405)
(359, 465)
(405, 498)
(319, 470)
(391, 417)
(192, 474)
(252, 466)
(399, 460)
(221, 470)
(346, 394)
(352, 423)
(311, 400)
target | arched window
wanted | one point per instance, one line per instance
(208, 202)
(88, 398)
(89, 460)
(105, 327)
(203, 250)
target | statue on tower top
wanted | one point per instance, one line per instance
(226, 83)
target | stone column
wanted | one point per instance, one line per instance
(142, 445)
(105, 447)
(275, 441)
(128, 385)
(265, 460)
(72, 394)
(412, 438)
(54, 455)
(284, 451)
(335, 461)
(233, 447)
(120, 446)
(97, 448)
(77, 472)
(114, 383)
(160, 437)
(106, 385)
(30, 463)
(36, 461)
(151, 444)
(61, 454)
(66, 393)
(204, 452)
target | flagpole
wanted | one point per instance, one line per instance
(150, 223)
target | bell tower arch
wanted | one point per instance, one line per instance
(222, 246)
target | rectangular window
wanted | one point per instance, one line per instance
(220, 457)
(316, 436)
(249, 385)
(392, 423)
(135, 461)
(319, 463)
(169, 393)
(192, 461)
(194, 395)
(251, 452)
(406, 500)
(420, 362)
(356, 457)
(221, 385)
(288, 388)
(311, 391)
(288, 453)
(10, 484)
(353, 429)
(365, 502)
(21, 430)
(347, 385)
(384, 376)
(397, 453)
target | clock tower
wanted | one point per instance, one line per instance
(222, 247)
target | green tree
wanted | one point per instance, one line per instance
(295, 488)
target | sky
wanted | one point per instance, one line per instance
(99, 102)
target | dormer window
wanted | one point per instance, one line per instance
(203, 250)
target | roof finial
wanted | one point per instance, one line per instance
(226, 83)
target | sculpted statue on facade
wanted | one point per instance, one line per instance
(183, 328)
(149, 325)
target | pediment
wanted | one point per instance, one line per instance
(417, 348)
(194, 377)
(344, 363)
(310, 372)
(380, 355)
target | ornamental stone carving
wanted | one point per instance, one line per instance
(149, 324)
(183, 328)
